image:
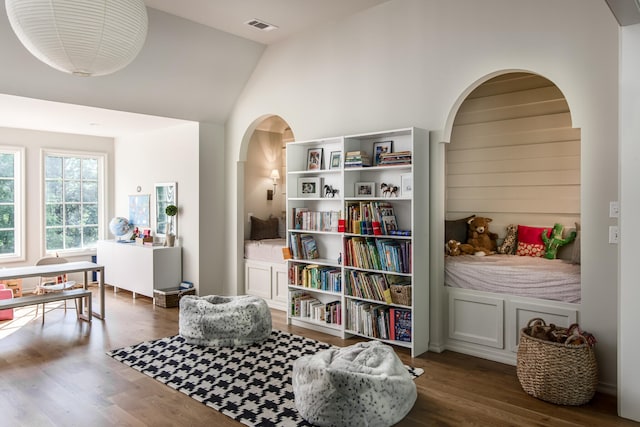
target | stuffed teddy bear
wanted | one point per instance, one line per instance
(480, 238)
(551, 244)
(455, 248)
(510, 242)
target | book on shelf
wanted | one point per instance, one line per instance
(371, 218)
(314, 276)
(371, 286)
(304, 219)
(395, 158)
(394, 255)
(400, 324)
(309, 247)
(368, 319)
(303, 246)
(296, 217)
(304, 305)
(356, 159)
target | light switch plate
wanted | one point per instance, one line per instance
(614, 209)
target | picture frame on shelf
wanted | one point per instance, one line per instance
(406, 185)
(314, 159)
(336, 157)
(365, 189)
(309, 187)
(380, 148)
(389, 223)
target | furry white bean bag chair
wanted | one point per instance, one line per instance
(365, 384)
(218, 321)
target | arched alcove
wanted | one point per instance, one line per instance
(260, 193)
(511, 154)
(264, 195)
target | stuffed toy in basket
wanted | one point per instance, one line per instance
(557, 364)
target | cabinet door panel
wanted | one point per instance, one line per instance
(258, 280)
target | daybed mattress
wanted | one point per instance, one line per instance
(268, 250)
(515, 275)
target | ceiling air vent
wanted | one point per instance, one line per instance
(261, 25)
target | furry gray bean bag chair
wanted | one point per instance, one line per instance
(218, 321)
(365, 384)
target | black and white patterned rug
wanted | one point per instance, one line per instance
(251, 384)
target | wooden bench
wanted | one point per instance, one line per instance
(51, 297)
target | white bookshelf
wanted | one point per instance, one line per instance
(411, 214)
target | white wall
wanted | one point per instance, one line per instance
(213, 223)
(629, 293)
(34, 142)
(168, 155)
(411, 62)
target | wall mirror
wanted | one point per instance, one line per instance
(166, 194)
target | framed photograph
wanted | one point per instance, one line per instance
(389, 223)
(365, 189)
(406, 185)
(314, 159)
(139, 210)
(309, 187)
(380, 148)
(335, 160)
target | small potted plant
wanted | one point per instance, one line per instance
(171, 211)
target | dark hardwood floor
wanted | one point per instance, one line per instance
(58, 374)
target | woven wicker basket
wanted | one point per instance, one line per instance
(401, 294)
(564, 374)
(170, 297)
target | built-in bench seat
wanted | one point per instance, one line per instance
(51, 297)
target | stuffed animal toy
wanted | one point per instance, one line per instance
(480, 238)
(455, 248)
(551, 244)
(510, 242)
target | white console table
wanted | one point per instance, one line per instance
(140, 268)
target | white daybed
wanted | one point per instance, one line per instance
(489, 299)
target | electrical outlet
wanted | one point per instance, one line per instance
(614, 209)
(613, 234)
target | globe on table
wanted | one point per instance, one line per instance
(119, 226)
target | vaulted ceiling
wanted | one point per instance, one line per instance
(196, 60)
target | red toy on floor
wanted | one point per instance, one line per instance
(6, 294)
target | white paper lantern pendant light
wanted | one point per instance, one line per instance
(80, 37)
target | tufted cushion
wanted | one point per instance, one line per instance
(264, 229)
(365, 384)
(219, 321)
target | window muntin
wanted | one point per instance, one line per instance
(11, 204)
(73, 187)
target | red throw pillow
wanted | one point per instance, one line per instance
(530, 240)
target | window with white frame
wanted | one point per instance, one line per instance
(11, 203)
(73, 194)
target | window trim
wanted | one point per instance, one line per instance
(19, 203)
(102, 191)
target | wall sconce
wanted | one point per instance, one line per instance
(275, 176)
